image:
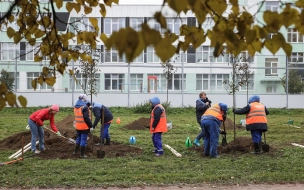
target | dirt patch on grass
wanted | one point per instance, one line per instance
(57, 147)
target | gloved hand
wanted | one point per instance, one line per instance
(223, 133)
(58, 133)
(91, 129)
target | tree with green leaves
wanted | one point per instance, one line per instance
(235, 29)
(295, 84)
(8, 80)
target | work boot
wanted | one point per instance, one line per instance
(256, 149)
(107, 141)
(82, 150)
(196, 142)
(76, 148)
(260, 147)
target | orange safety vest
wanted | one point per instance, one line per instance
(80, 124)
(162, 124)
(215, 111)
(256, 114)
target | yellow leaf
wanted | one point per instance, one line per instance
(251, 50)
(39, 34)
(69, 6)
(94, 22)
(116, 1)
(17, 37)
(102, 10)
(11, 18)
(272, 46)
(164, 49)
(77, 7)
(10, 32)
(257, 45)
(2, 102)
(87, 10)
(45, 71)
(201, 16)
(3, 88)
(178, 6)
(160, 19)
(40, 80)
(289, 16)
(59, 3)
(50, 81)
(250, 36)
(71, 72)
(104, 38)
(10, 98)
(46, 21)
(150, 36)
(218, 6)
(108, 2)
(22, 101)
(37, 58)
(288, 49)
(32, 41)
(300, 3)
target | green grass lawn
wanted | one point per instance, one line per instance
(285, 165)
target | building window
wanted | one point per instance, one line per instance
(174, 24)
(151, 55)
(272, 64)
(112, 56)
(250, 82)
(272, 5)
(271, 89)
(8, 51)
(31, 51)
(294, 35)
(160, 84)
(34, 75)
(139, 58)
(296, 57)
(177, 83)
(135, 23)
(204, 54)
(82, 24)
(136, 82)
(207, 24)
(213, 82)
(113, 24)
(81, 80)
(114, 82)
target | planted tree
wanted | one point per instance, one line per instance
(8, 80)
(169, 71)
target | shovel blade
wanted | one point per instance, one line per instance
(101, 153)
(224, 141)
(265, 147)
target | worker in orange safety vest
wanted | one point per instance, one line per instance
(256, 121)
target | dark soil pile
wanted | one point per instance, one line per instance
(57, 147)
(140, 124)
(229, 125)
(239, 145)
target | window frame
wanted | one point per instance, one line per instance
(120, 80)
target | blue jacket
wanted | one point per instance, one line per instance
(86, 115)
(97, 111)
(200, 108)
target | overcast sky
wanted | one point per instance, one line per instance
(140, 2)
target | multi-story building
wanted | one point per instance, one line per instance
(197, 69)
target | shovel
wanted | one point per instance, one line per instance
(265, 147)
(69, 139)
(100, 152)
(224, 139)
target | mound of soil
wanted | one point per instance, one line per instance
(57, 147)
(140, 124)
(239, 145)
(229, 125)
